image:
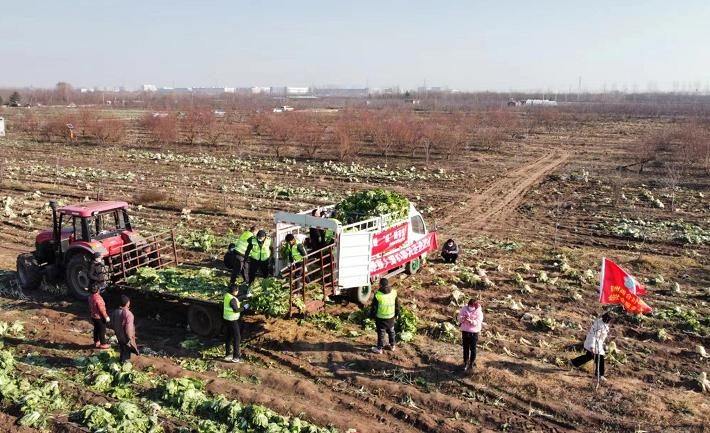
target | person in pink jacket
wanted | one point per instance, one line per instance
(470, 320)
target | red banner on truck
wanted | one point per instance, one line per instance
(402, 256)
(390, 238)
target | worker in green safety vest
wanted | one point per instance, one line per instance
(231, 311)
(241, 266)
(258, 254)
(328, 234)
(294, 253)
(385, 311)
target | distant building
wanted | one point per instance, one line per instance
(277, 90)
(260, 90)
(176, 90)
(150, 88)
(341, 92)
(541, 102)
(297, 90)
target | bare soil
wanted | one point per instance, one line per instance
(523, 203)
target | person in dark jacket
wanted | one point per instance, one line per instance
(450, 251)
(316, 236)
(123, 326)
(231, 312)
(99, 318)
(385, 311)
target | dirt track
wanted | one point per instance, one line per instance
(493, 207)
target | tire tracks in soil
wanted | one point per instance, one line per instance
(492, 208)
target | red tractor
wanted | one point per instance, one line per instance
(90, 244)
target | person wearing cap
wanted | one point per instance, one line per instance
(258, 252)
(385, 311)
(240, 249)
(231, 312)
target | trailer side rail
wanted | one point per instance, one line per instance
(316, 267)
(157, 251)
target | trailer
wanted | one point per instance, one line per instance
(359, 254)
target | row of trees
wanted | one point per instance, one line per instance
(86, 125)
(343, 135)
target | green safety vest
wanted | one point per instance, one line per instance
(260, 252)
(386, 304)
(330, 234)
(228, 313)
(243, 242)
(295, 254)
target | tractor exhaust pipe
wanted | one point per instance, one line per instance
(55, 229)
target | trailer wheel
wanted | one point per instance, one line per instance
(413, 266)
(29, 273)
(203, 321)
(362, 295)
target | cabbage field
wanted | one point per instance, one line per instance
(533, 198)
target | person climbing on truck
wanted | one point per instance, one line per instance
(385, 311)
(316, 236)
(241, 267)
(231, 312)
(328, 235)
(295, 252)
(99, 318)
(258, 252)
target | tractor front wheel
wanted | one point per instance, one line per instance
(78, 276)
(29, 273)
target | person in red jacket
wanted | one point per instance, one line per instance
(99, 318)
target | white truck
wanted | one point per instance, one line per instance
(359, 254)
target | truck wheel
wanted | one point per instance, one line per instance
(362, 295)
(413, 266)
(203, 321)
(29, 273)
(77, 276)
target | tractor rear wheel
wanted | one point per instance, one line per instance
(77, 276)
(204, 321)
(29, 273)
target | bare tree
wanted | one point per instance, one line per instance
(280, 129)
(161, 127)
(489, 137)
(193, 124)
(671, 178)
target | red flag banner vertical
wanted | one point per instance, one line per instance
(618, 287)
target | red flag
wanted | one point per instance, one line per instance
(619, 287)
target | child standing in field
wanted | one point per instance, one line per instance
(99, 318)
(470, 319)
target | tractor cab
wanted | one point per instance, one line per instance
(101, 227)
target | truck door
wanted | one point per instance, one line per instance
(354, 259)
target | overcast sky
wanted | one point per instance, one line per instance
(467, 45)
